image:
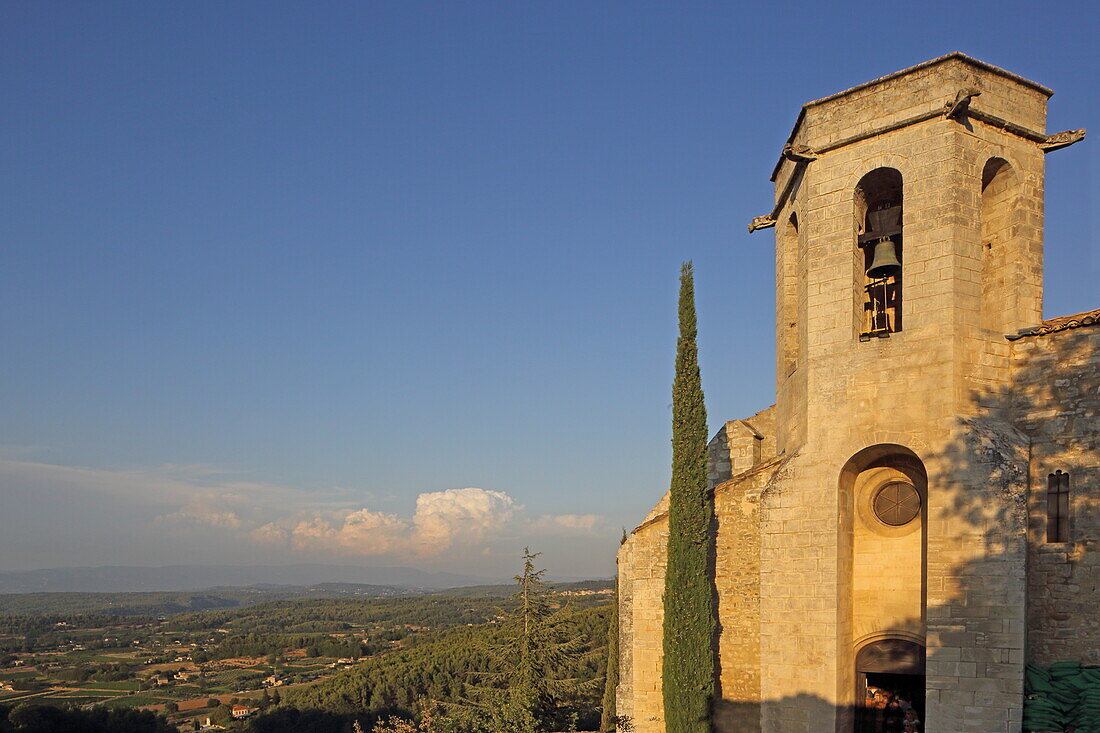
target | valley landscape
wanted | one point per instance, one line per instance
(275, 659)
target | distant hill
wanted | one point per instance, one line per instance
(575, 587)
(171, 603)
(122, 579)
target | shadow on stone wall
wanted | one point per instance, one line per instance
(977, 596)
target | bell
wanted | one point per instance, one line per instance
(884, 221)
(885, 262)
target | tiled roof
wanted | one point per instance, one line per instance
(1062, 323)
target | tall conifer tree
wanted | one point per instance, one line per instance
(688, 666)
(522, 693)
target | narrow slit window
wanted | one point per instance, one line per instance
(1058, 507)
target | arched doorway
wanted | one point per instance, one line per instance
(890, 687)
(883, 562)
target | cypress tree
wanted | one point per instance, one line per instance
(608, 720)
(689, 625)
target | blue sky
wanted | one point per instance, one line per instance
(267, 264)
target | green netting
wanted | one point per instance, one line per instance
(1062, 697)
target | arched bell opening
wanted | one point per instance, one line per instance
(879, 253)
(882, 565)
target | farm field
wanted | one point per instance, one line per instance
(193, 666)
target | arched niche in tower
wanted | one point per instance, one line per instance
(882, 559)
(787, 315)
(878, 253)
(999, 212)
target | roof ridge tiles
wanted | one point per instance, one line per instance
(1060, 323)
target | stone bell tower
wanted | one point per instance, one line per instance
(943, 163)
(871, 526)
(909, 221)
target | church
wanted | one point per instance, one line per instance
(917, 517)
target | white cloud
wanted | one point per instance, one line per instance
(169, 486)
(271, 534)
(443, 520)
(21, 451)
(460, 516)
(361, 532)
(568, 524)
(313, 534)
(203, 506)
(204, 510)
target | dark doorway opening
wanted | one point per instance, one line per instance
(890, 687)
(893, 703)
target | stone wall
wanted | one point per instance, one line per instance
(739, 447)
(642, 565)
(737, 590)
(976, 591)
(1057, 401)
(919, 89)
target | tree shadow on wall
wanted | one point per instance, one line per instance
(986, 502)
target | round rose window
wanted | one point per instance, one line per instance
(896, 503)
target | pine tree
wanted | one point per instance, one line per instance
(688, 667)
(521, 693)
(611, 681)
